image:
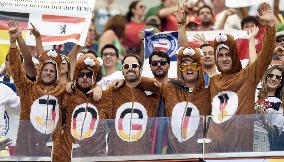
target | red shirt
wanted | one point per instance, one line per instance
(131, 34)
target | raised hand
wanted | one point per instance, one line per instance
(180, 14)
(230, 12)
(253, 32)
(34, 31)
(199, 39)
(265, 13)
(14, 31)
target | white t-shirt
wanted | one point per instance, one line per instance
(232, 22)
(9, 112)
(107, 80)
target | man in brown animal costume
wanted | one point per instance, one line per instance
(83, 114)
(186, 99)
(132, 107)
(40, 101)
(233, 91)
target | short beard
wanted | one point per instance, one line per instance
(206, 23)
(159, 75)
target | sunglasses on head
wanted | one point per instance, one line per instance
(87, 74)
(156, 63)
(185, 67)
(132, 66)
(278, 77)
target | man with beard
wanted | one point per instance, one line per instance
(41, 113)
(208, 62)
(205, 13)
(83, 114)
(160, 63)
(131, 107)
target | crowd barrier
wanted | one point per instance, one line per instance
(134, 138)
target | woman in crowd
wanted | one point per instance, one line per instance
(135, 24)
(271, 98)
(114, 34)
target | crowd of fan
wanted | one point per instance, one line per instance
(115, 41)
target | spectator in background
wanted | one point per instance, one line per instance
(167, 16)
(205, 13)
(135, 24)
(114, 33)
(160, 64)
(247, 24)
(153, 11)
(110, 58)
(232, 22)
(193, 23)
(270, 101)
(104, 10)
(280, 38)
(6, 72)
(208, 60)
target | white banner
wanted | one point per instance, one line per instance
(58, 21)
(242, 3)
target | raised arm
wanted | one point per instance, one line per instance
(181, 20)
(36, 33)
(252, 50)
(258, 68)
(228, 13)
(29, 66)
(73, 58)
(17, 72)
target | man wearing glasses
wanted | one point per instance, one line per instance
(110, 58)
(160, 63)
(131, 108)
(185, 99)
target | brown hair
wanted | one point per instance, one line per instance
(280, 90)
(117, 24)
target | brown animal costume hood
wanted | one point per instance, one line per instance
(185, 53)
(227, 41)
(49, 57)
(233, 94)
(87, 61)
(40, 107)
(84, 124)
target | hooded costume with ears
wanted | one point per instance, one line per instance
(185, 105)
(40, 106)
(83, 115)
(233, 92)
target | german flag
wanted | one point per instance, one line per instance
(21, 18)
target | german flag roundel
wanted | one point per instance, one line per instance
(84, 121)
(224, 106)
(131, 121)
(45, 114)
(185, 121)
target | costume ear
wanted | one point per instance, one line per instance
(79, 55)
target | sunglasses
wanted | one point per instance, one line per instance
(132, 66)
(278, 77)
(184, 67)
(156, 63)
(88, 75)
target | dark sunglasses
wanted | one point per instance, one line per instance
(156, 63)
(133, 66)
(88, 75)
(278, 77)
